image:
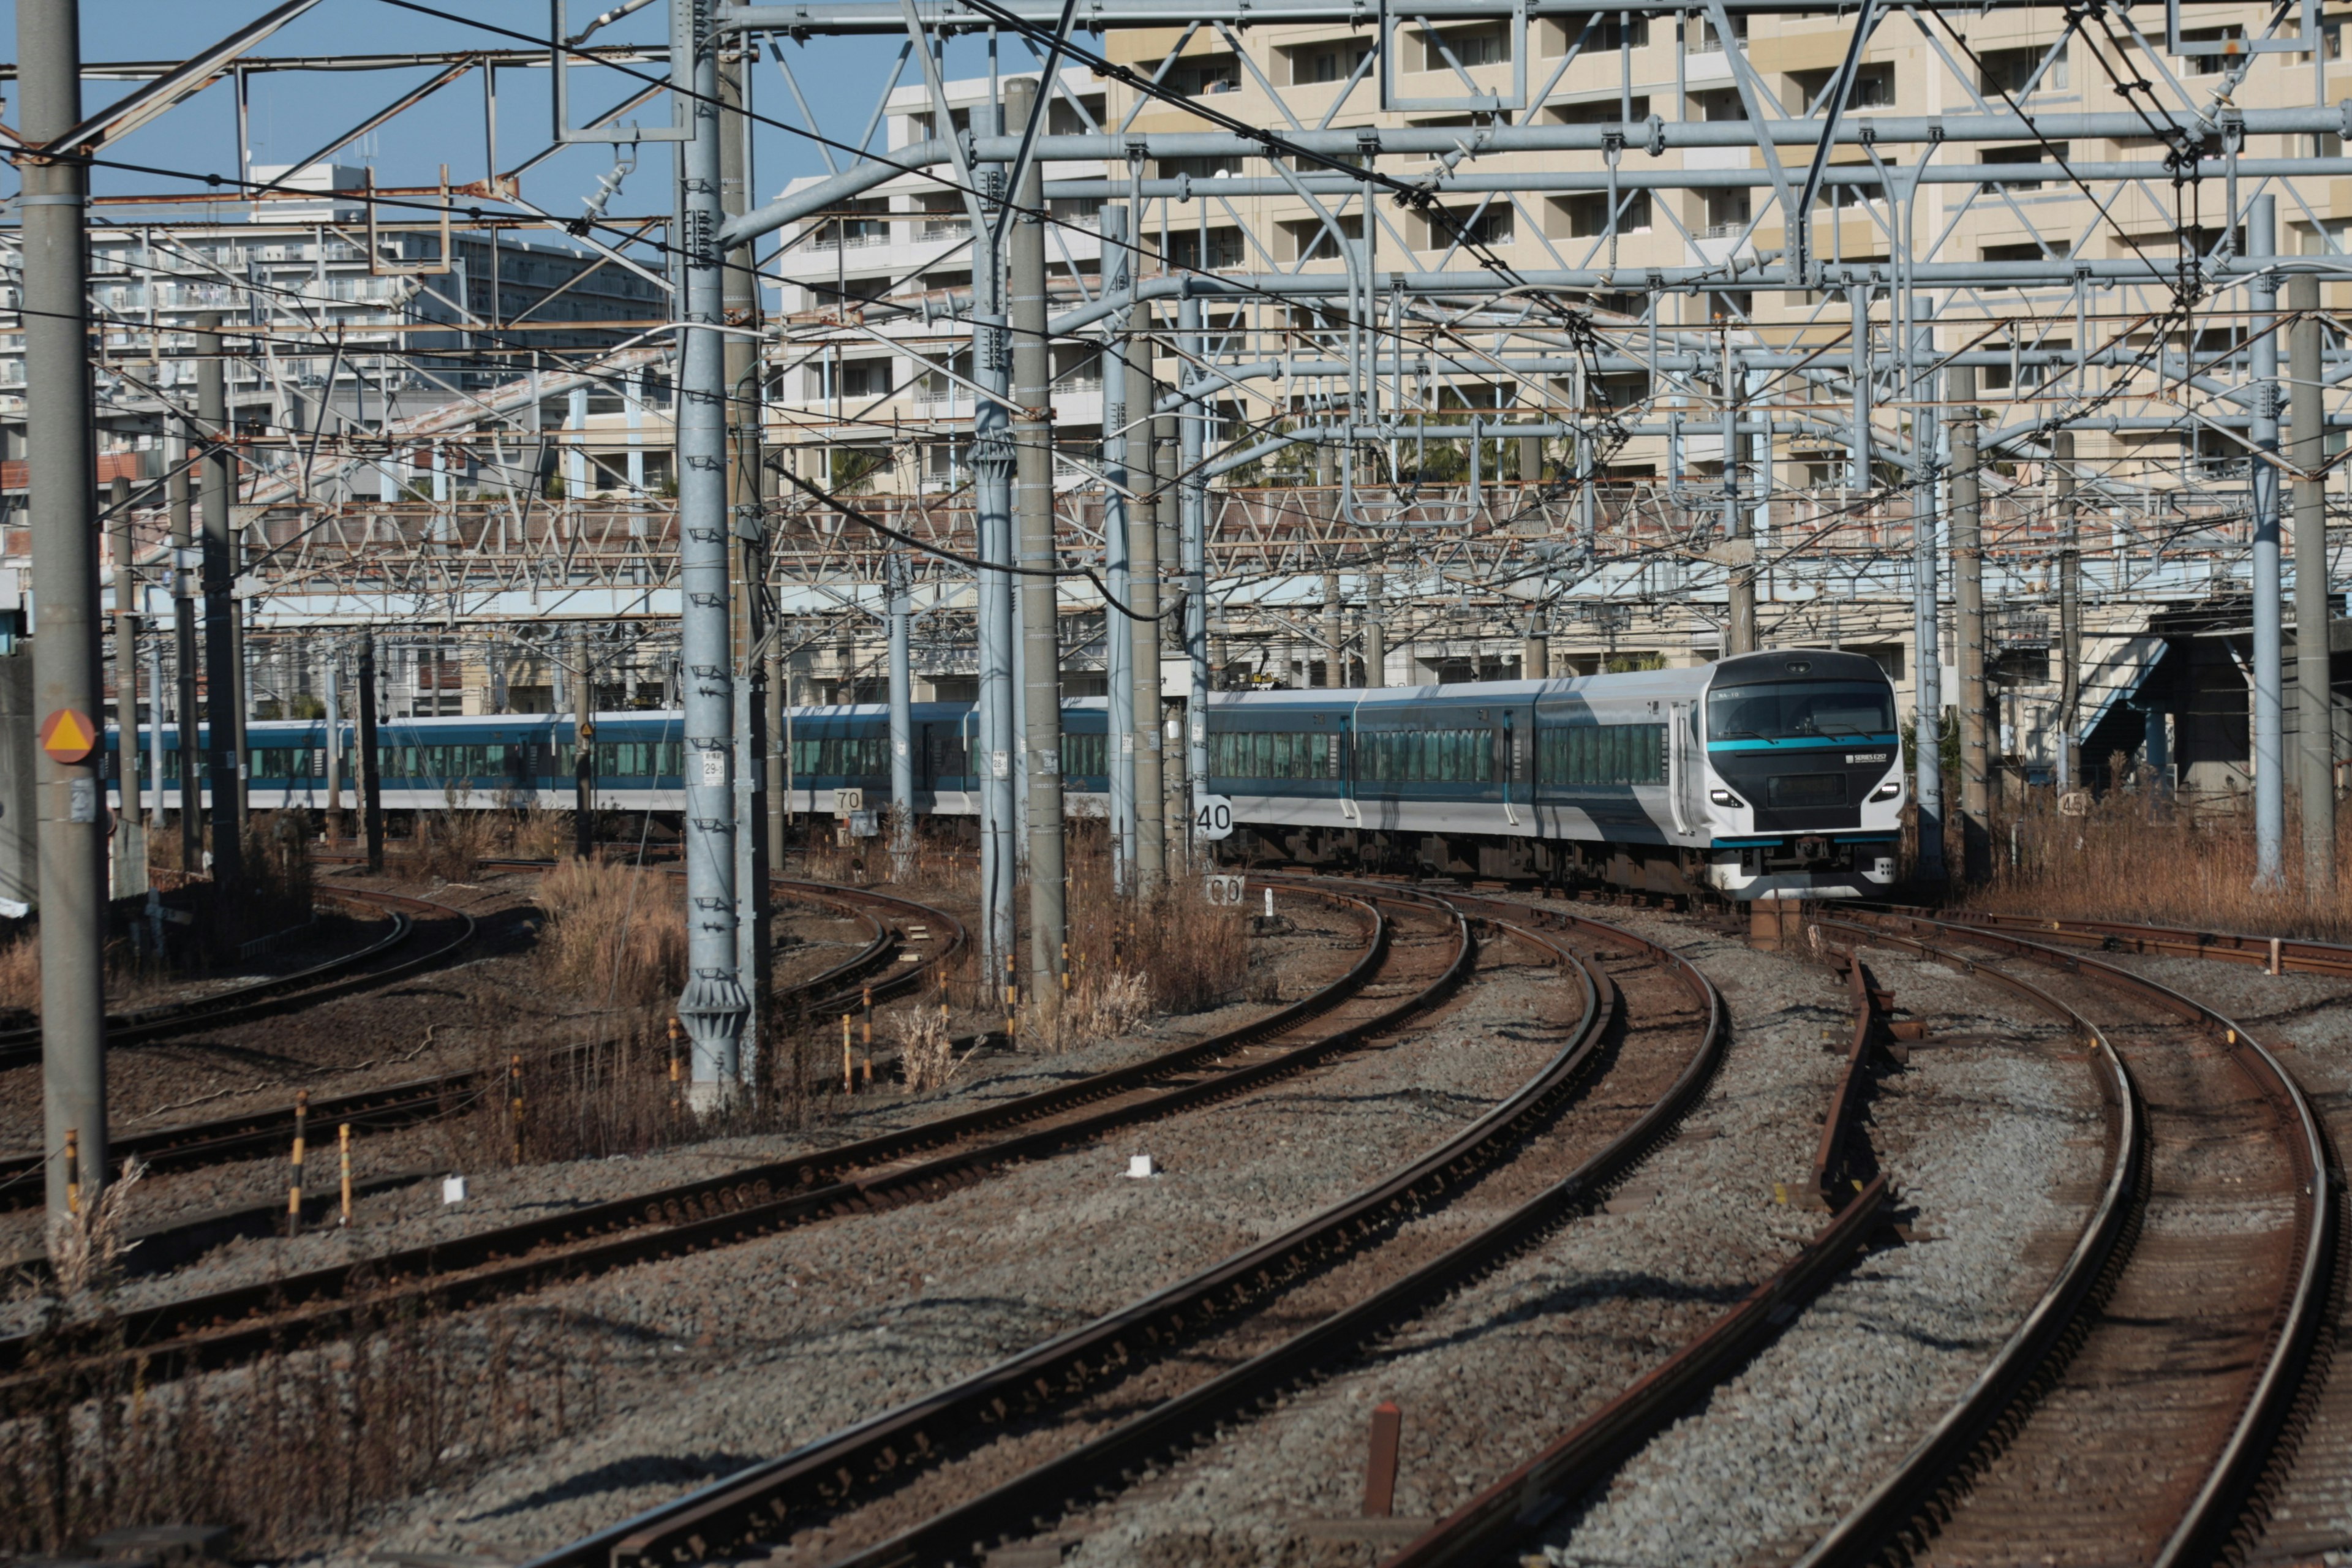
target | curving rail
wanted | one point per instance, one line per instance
(1898, 1506)
(227, 1326)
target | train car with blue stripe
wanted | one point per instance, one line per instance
(1768, 775)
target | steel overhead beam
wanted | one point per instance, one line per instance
(1096, 16)
(1438, 142)
(183, 81)
(266, 65)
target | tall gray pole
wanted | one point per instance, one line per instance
(2313, 697)
(902, 716)
(155, 736)
(367, 759)
(1739, 588)
(1032, 505)
(1118, 573)
(1927, 679)
(1143, 592)
(1376, 633)
(184, 653)
(1335, 641)
(1858, 361)
(2070, 611)
(747, 537)
(223, 660)
(334, 751)
(2268, 717)
(1967, 574)
(1167, 460)
(63, 466)
(991, 459)
(779, 729)
(1192, 426)
(583, 744)
(713, 1004)
(130, 853)
(1535, 653)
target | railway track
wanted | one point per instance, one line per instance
(1390, 983)
(261, 1133)
(262, 998)
(944, 1478)
(2131, 1415)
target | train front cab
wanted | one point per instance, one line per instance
(1801, 785)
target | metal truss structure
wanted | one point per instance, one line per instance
(1393, 341)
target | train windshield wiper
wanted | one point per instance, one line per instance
(1746, 734)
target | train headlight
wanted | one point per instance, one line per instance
(1724, 797)
(1891, 790)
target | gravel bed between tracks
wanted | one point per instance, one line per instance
(1320, 949)
(1993, 1146)
(707, 1362)
(1499, 1367)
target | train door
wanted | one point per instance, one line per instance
(1686, 768)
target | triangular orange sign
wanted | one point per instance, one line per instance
(69, 736)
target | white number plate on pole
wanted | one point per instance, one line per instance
(1213, 817)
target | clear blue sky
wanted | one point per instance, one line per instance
(293, 113)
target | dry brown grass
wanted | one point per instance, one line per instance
(452, 844)
(20, 973)
(2137, 857)
(541, 833)
(927, 1054)
(614, 934)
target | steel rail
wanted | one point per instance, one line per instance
(1582, 1457)
(2300, 955)
(1013, 1509)
(1885, 1512)
(223, 1327)
(22, 1047)
(2220, 1499)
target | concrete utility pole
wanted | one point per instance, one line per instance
(1739, 549)
(334, 752)
(2070, 612)
(1927, 679)
(739, 294)
(583, 745)
(1118, 573)
(713, 1004)
(777, 763)
(1968, 573)
(184, 651)
(2269, 701)
(130, 853)
(368, 760)
(2313, 694)
(1166, 449)
(1858, 369)
(1376, 646)
(1192, 432)
(62, 461)
(1032, 505)
(1335, 638)
(902, 716)
(224, 657)
(1144, 634)
(991, 461)
(1535, 653)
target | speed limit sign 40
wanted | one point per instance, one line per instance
(1213, 817)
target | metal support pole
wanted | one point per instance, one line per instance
(224, 658)
(183, 650)
(1118, 573)
(1927, 679)
(2070, 611)
(155, 738)
(1968, 573)
(778, 732)
(902, 716)
(583, 745)
(713, 1006)
(1192, 496)
(740, 297)
(1143, 590)
(62, 460)
(1858, 358)
(1535, 653)
(334, 751)
(991, 458)
(1739, 549)
(369, 761)
(2313, 607)
(1335, 641)
(2269, 716)
(130, 850)
(1033, 446)
(1376, 646)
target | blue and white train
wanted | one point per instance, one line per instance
(1768, 775)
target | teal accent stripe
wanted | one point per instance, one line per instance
(1745, 843)
(1835, 745)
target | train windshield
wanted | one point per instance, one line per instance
(1801, 710)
